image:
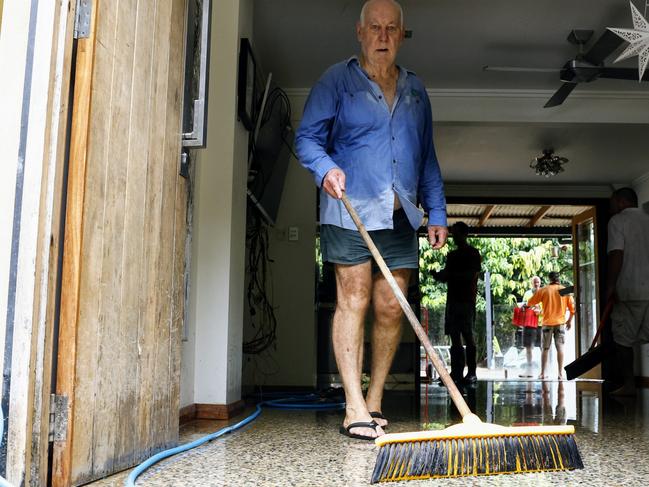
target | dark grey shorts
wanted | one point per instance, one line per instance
(398, 247)
(532, 336)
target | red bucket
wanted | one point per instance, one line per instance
(525, 316)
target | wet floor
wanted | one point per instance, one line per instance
(304, 448)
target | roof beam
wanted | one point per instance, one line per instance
(486, 214)
(539, 216)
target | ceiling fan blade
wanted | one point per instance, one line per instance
(622, 73)
(560, 95)
(517, 69)
(603, 47)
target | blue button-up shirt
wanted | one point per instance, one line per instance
(347, 124)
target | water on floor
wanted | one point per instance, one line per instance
(304, 448)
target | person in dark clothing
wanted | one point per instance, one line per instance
(461, 277)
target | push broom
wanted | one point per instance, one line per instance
(471, 447)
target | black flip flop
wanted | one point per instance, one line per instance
(378, 415)
(359, 424)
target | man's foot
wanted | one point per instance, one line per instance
(379, 418)
(561, 377)
(625, 390)
(542, 377)
(362, 430)
(525, 376)
(470, 379)
(458, 381)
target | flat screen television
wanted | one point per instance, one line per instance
(270, 154)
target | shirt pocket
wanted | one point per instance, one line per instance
(358, 110)
(414, 114)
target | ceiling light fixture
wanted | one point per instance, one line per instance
(548, 164)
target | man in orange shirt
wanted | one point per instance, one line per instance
(554, 320)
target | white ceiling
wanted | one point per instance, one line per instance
(452, 39)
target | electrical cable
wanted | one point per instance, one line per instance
(310, 402)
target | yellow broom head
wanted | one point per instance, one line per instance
(475, 448)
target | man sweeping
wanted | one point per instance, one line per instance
(367, 131)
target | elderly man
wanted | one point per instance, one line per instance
(628, 280)
(367, 130)
(532, 337)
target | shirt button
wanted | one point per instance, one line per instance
(394, 161)
(392, 138)
(380, 97)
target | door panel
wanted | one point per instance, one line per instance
(584, 229)
(125, 305)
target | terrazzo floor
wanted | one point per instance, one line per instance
(304, 448)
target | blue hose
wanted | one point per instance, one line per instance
(289, 403)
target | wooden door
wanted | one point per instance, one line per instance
(584, 237)
(122, 291)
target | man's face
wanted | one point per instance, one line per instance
(536, 283)
(381, 36)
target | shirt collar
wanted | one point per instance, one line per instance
(403, 72)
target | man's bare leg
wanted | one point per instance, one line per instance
(559, 347)
(544, 362)
(353, 285)
(528, 365)
(386, 334)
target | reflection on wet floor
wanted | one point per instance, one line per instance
(304, 448)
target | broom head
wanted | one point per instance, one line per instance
(475, 448)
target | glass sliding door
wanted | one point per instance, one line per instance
(584, 229)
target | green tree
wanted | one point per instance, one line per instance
(511, 262)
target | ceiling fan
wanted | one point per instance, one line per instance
(585, 67)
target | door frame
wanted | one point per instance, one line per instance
(591, 214)
(73, 231)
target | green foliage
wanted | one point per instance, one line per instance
(511, 262)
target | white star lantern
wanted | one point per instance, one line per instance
(638, 39)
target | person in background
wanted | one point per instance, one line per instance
(628, 281)
(367, 131)
(555, 324)
(461, 277)
(532, 337)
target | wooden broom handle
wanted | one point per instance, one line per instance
(453, 391)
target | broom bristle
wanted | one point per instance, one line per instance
(430, 454)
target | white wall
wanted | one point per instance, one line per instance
(293, 362)
(212, 357)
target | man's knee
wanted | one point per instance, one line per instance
(353, 300)
(388, 310)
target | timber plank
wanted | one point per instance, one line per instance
(112, 367)
(149, 409)
(180, 233)
(70, 311)
(165, 257)
(145, 331)
(126, 450)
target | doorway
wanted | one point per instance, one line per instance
(516, 242)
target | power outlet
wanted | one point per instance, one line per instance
(293, 234)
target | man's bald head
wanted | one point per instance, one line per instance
(371, 3)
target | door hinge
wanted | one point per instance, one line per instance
(82, 19)
(58, 417)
